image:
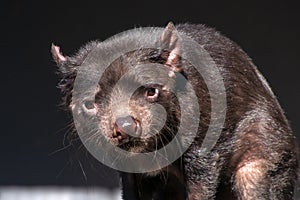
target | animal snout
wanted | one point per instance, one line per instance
(125, 126)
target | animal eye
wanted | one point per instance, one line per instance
(152, 94)
(89, 105)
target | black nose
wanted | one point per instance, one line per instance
(125, 126)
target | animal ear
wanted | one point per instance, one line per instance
(170, 41)
(57, 55)
(66, 65)
(67, 68)
(66, 74)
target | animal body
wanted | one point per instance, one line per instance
(255, 156)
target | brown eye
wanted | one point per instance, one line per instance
(152, 94)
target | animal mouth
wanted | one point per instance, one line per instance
(120, 135)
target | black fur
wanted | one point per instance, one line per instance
(256, 155)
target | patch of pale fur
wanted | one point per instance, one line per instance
(249, 176)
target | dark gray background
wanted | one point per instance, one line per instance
(33, 125)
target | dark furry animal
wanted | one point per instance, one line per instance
(256, 155)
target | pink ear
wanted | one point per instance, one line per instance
(170, 41)
(57, 55)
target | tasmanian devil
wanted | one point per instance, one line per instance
(255, 156)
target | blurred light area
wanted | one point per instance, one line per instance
(57, 193)
(64, 193)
